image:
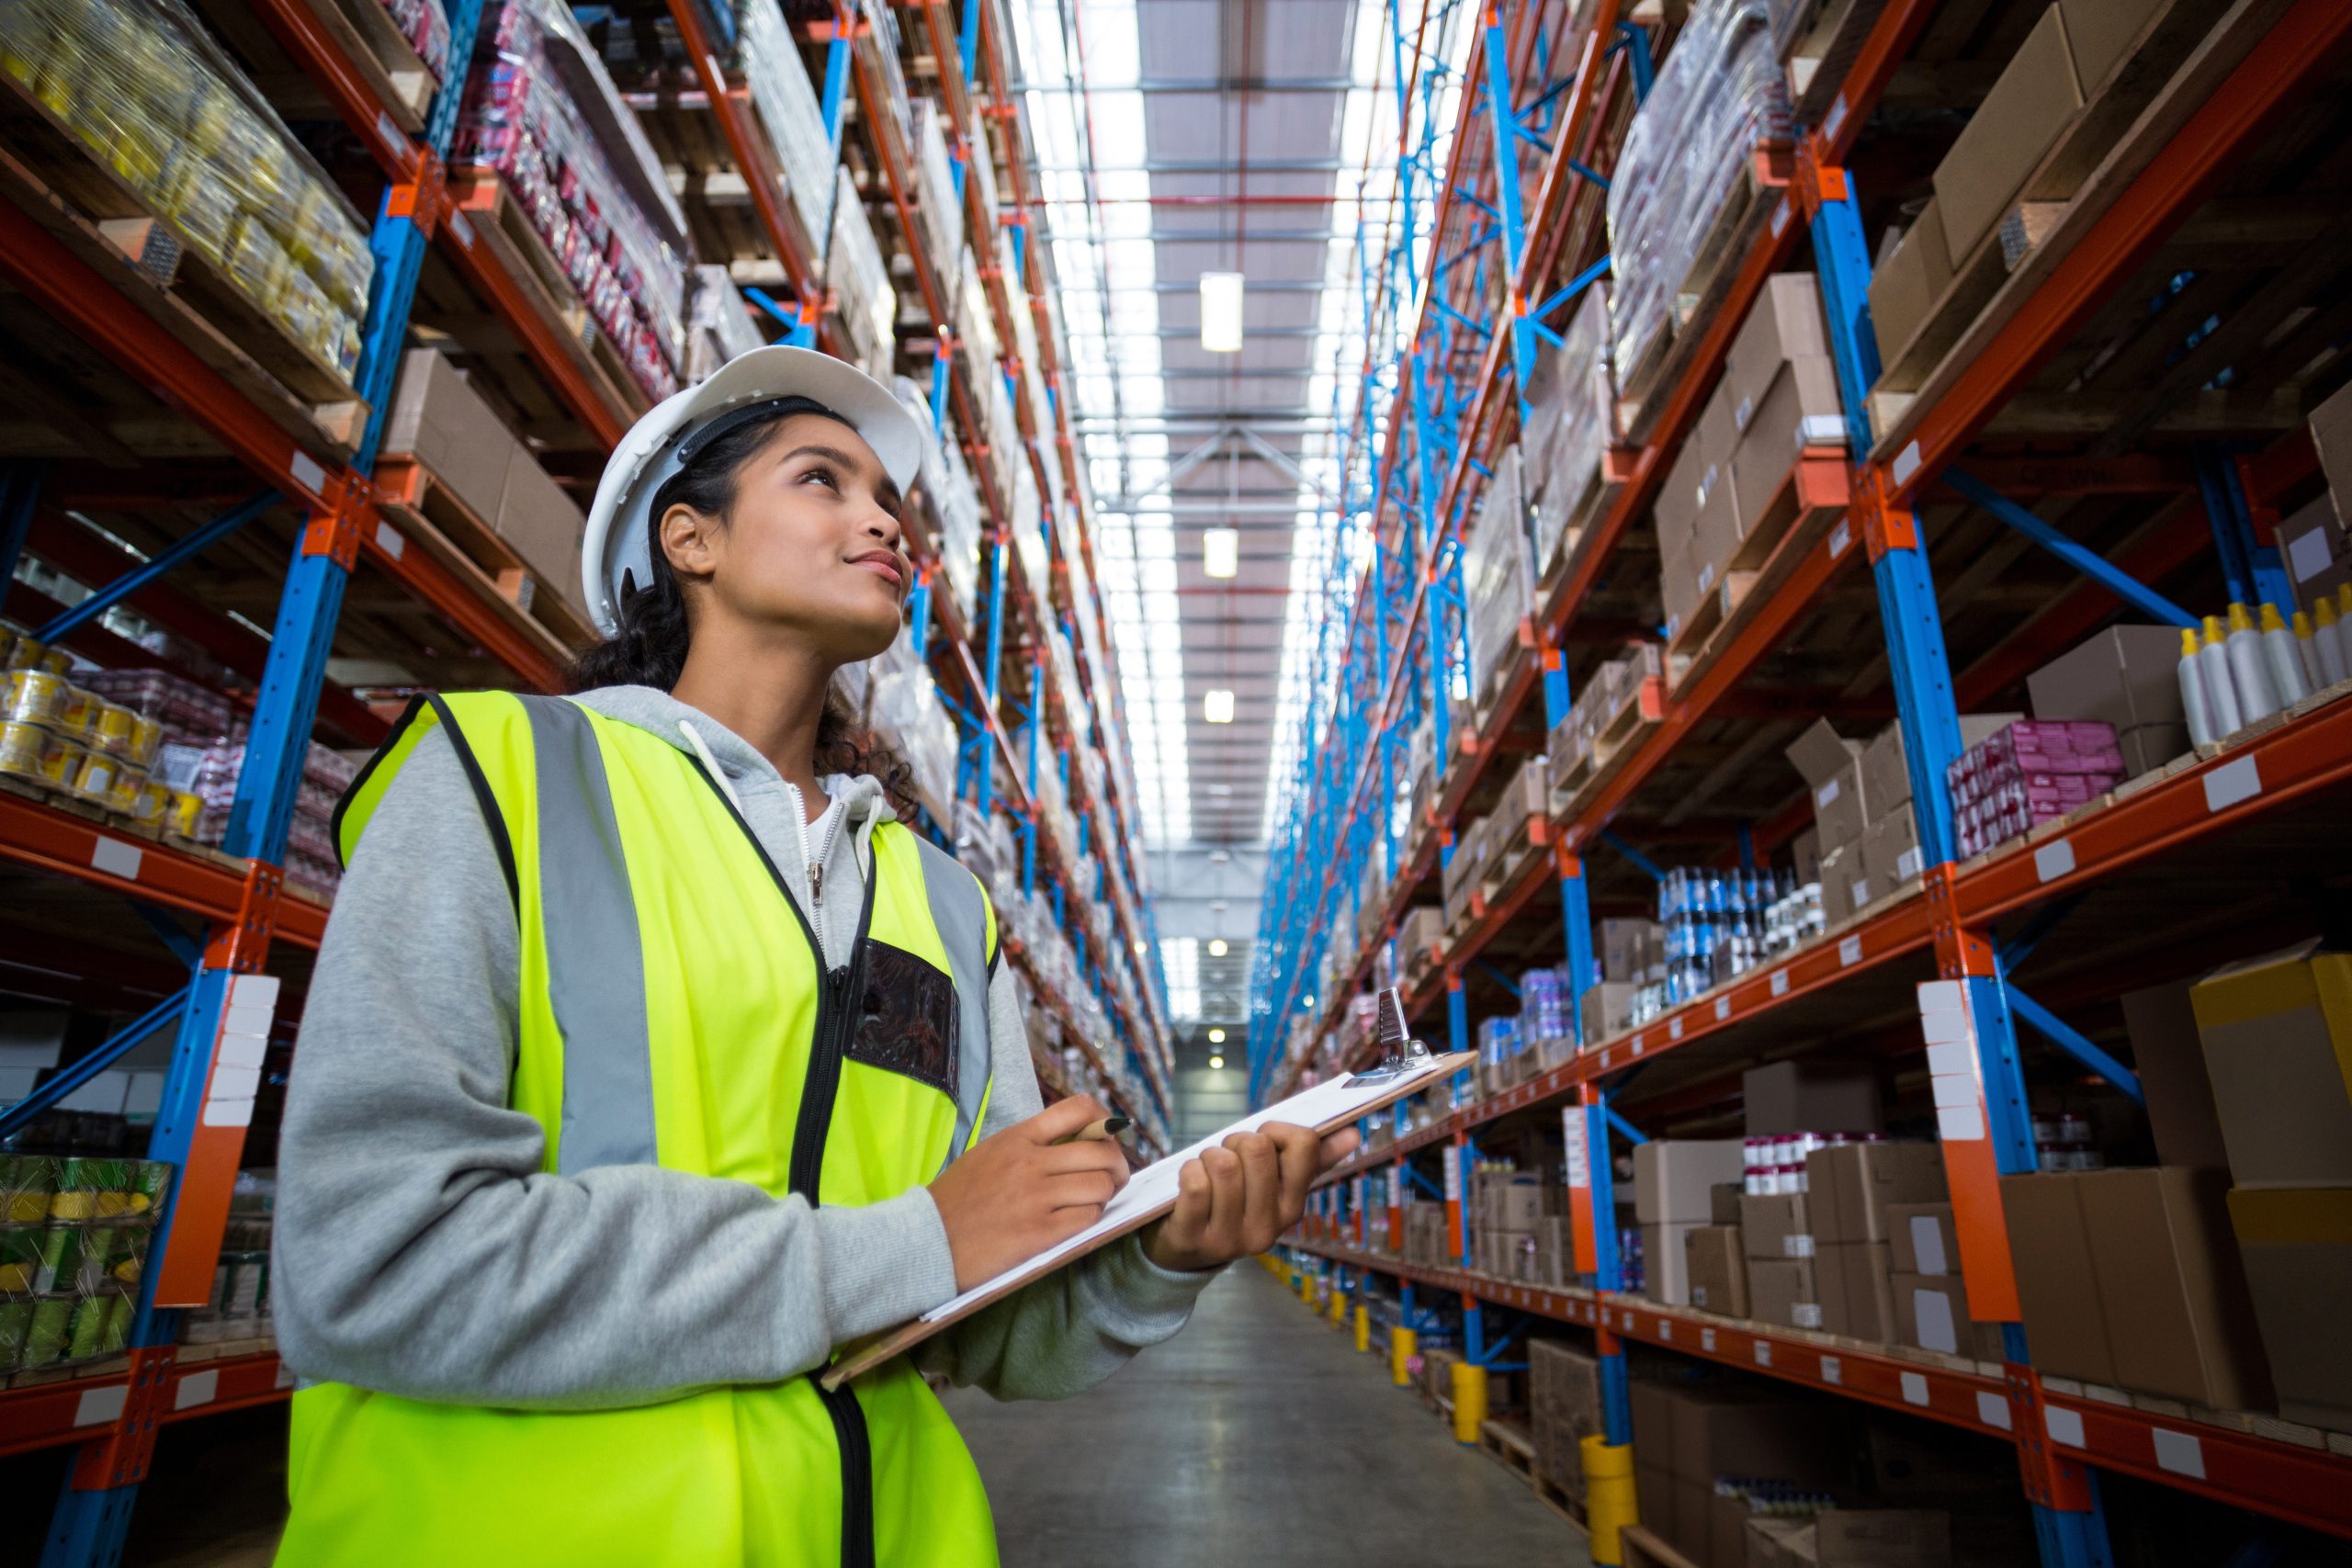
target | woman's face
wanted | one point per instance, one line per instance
(811, 547)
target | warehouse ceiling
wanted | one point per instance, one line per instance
(1178, 137)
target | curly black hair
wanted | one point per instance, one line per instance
(649, 646)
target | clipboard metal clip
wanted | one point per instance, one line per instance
(1400, 1052)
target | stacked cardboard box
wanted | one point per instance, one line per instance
(1613, 687)
(1890, 854)
(1691, 1439)
(2030, 773)
(1672, 1179)
(1460, 879)
(2128, 676)
(2322, 564)
(2277, 1032)
(1855, 1192)
(1497, 575)
(1852, 1538)
(1564, 1406)
(1866, 838)
(1571, 423)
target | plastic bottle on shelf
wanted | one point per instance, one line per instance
(2250, 667)
(2307, 650)
(2194, 703)
(2285, 659)
(2220, 686)
(2327, 643)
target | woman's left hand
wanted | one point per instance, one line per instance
(1239, 1198)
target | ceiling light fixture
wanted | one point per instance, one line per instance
(1216, 1036)
(1221, 552)
(1217, 707)
(1217, 1063)
(1217, 947)
(1221, 312)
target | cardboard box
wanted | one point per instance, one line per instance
(1800, 409)
(2151, 746)
(1676, 507)
(1921, 1238)
(1804, 850)
(2033, 101)
(1774, 1225)
(544, 525)
(1810, 1096)
(1890, 854)
(2126, 676)
(1665, 1263)
(1716, 434)
(443, 424)
(1694, 1507)
(1851, 1185)
(2100, 34)
(1779, 1541)
(1723, 1202)
(2170, 1060)
(2179, 1319)
(1717, 1273)
(2058, 1293)
(1845, 883)
(1607, 1009)
(2278, 1031)
(1784, 1291)
(1622, 946)
(1905, 286)
(2297, 1249)
(1671, 1177)
(1831, 766)
(1754, 1433)
(1932, 1313)
(1882, 1538)
(2312, 543)
(1678, 585)
(1785, 323)
(1714, 537)
(1857, 1289)
(1518, 1202)
(1654, 1497)
(1886, 771)
(2332, 434)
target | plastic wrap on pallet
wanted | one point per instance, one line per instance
(718, 323)
(903, 706)
(953, 502)
(1002, 434)
(1495, 581)
(143, 88)
(1076, 715)
(1574, 423)
(426, 25)
(882, 21)
(1720, 93)
(855, 270)
(789, 111)
(540, 109)
(976, 323)
(937, 211)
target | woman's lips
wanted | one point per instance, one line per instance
(883, 566)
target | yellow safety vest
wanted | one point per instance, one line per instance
(676, 1011)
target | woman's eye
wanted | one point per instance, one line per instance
(824, 477)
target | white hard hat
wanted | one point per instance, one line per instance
(619, 541)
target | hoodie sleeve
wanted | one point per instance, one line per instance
(1078, 1325)
(420, 1248)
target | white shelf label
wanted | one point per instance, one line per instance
(1453, 1173)
(1993, 1410)
(1839, 537)
(390, 133)
(388, 540)
(1666, 1328)
(1907, 463)
(1763, 1353)
(1961, 1124)
(1834, 118)
(2065, 1425)
(115, 857)
(306, 472)
(2180, 1453)
(1706, 1340)
(1674, 1027)
(2054, 859)
(97, 1406)
(1780, 982)
(197, 1388)
(1579, 1157)
(463, 230)
(1832, 1371)
(1850, 951)
(1779, 218)
(1723, 1008)
(2231, 783)
(1914, 1388)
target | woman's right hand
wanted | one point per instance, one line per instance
(1018, 1192)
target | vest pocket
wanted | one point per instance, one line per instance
(907, 1019)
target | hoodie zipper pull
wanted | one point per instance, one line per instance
(816, 883)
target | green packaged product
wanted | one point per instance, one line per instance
(116, 1335)
(151, 1182)
(16, 1321)
(86, 1334)
(26, 1184)
(45, 1337)
(126, 1255)
(20, 1255)
(90, 1188)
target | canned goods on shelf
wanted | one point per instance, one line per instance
(110, 728)
(76, 712)
(154, 802)
(185, 813)
(146, 740)
(130, 783)
(93, 776)
(35, 696)
(31, 653)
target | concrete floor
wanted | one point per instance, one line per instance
(1258, 1435)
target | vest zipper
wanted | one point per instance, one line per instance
(836, 1022)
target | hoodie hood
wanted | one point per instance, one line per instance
(860, 795)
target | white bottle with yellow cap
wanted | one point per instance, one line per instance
(2250, 667)
(2285, 661)
(2327, 642)
(2220, 686)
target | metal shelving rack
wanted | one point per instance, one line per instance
(239, 897)
(1473, 227)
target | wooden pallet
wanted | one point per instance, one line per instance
(497, 223)
(1745, 208)
(378, 54)
(1823, 57)
(2106, 145)
(70, 1371)
(1629, 724)
(96, 215)
(415, 501)
(1530, 843)
(1643, 1550)
(1810, 503)
(1600, 488)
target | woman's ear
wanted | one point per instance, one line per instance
(691, 540)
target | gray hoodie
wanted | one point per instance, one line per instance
(421, 1250)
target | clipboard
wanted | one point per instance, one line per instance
(1407, 1067)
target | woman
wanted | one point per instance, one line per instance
(650, 1060)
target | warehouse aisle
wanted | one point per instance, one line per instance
(1258, 1435)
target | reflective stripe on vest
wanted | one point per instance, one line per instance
(674, 1008)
